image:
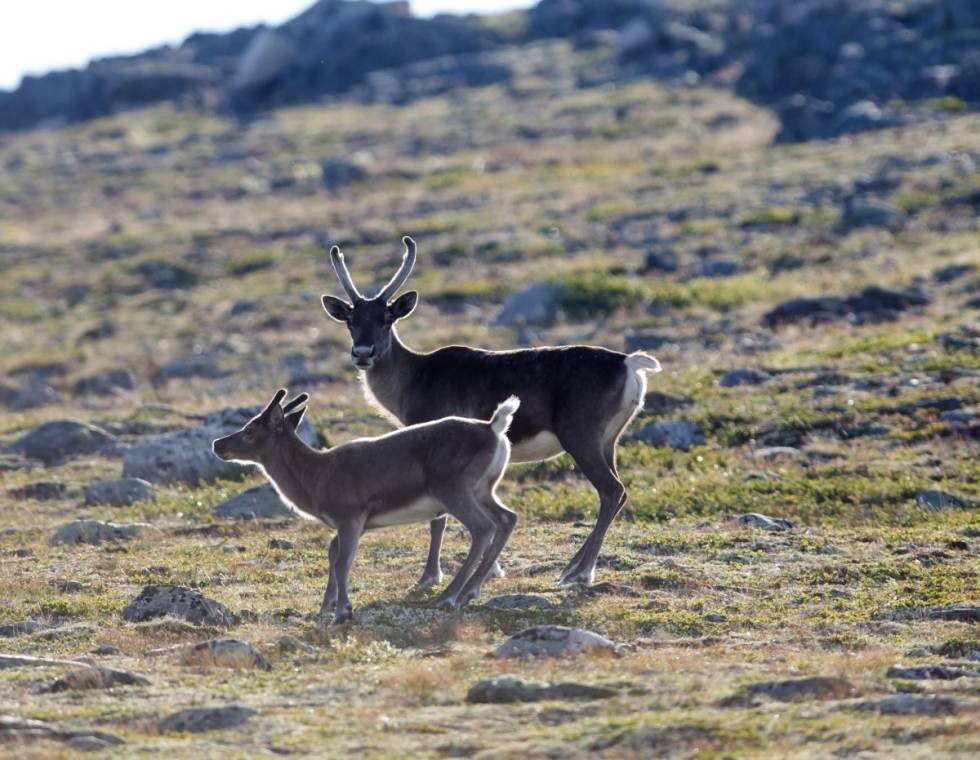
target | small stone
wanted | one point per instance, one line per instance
(800, 689)
(96, 677)
(931, 672)
(919, 704)
(938, 500)
(95, 532)
(225, 653)
(555, 641)
(105, 383)
(18, 628)
(678, 434)
(768, 453)
(42, 491)
(757, 520)
(117, 493)
(737, 377)
(919, 652)
(66, 585)
(199, 719)
(518, 602)
(156, 601)
(281, 543)
(106, 650)
(511, 689)
(287, 644)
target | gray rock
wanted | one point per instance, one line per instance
(768, 453)
(518, 602)
(96, 677)
(963, 613)
(287, 644)
(105, 383)
(931, 672)
(156, 601)
(678, 434)
(41, 491)
(31, 396)
(60, 440)
(225, 653)
(185, 456)
(938, 500)
(511, 689)
(18, 628)
(265, 58)
(662, 403)
(117, 493)
(260, 501)
(537, 304)
(18, 731)
(337, 172)
(199, 719)
(635, 341)
(801, 689)
(95, 532)
(869, 212)
(195, 365)
(765, 522)
(554, 641)
(737, 377)
(919, 704)
(166, 275)
(953, 272)
(281, 543)
(719, 268)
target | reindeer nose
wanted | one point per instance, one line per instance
(362, 352)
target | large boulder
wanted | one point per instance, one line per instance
(116, 493)
(511, 689)
(95, 532)
(156, 601)
(261, 501)
(225, 653)
(555, 641)
(196, 720)
(61, 440)
(185, 456)
(536, 304)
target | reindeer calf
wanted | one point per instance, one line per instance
(416, 474)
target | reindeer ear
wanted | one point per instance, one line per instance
(336, 308)
(277, 420)
(404, 305)
(294, 418)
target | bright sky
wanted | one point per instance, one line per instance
(37, 36)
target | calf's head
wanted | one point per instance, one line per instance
(263, 433)
(370, 320)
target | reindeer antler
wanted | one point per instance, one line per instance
(408, 261)
(337, 258)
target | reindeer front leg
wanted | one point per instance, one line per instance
(348, 536)
(330, 595)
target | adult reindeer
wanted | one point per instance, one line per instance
(577, 399)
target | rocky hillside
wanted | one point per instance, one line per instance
(827, 67)
(796, 571)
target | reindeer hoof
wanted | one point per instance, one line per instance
(343, 616)
(572, 576)
(449, 603)
(428, 581)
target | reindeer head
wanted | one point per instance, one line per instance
(370, 319)
(261, 434)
